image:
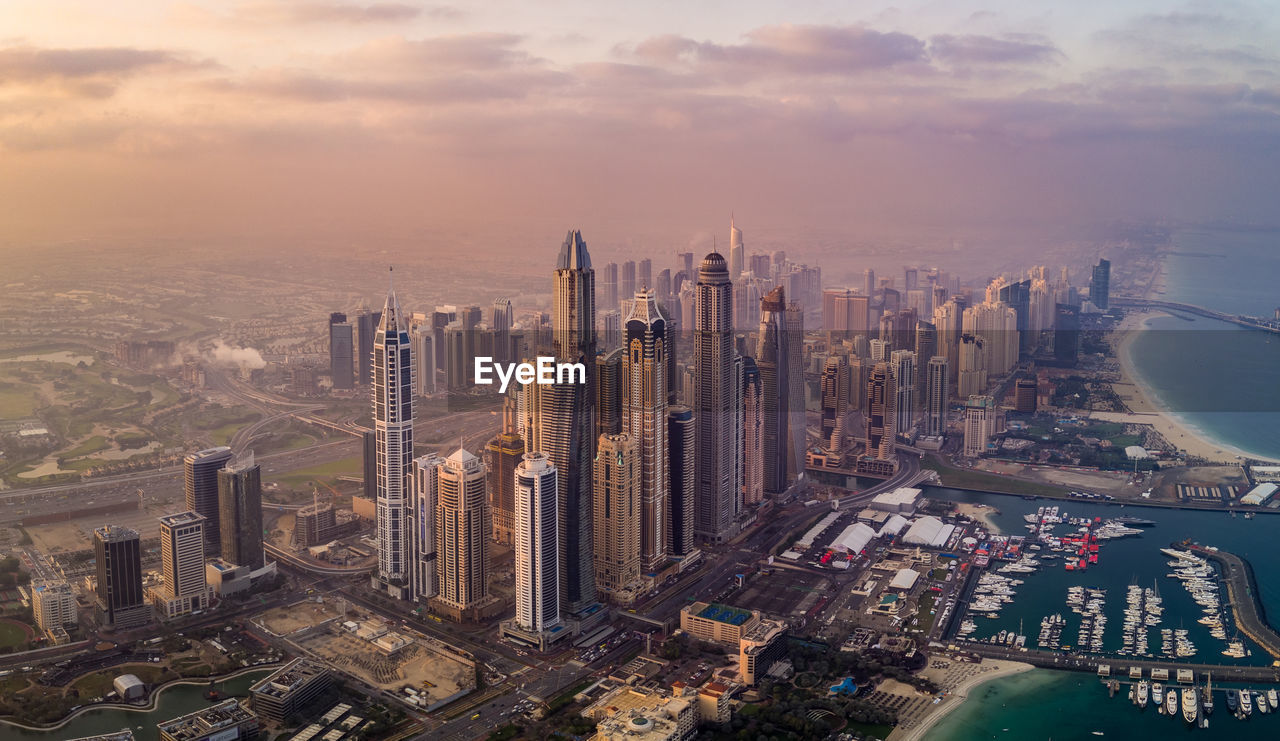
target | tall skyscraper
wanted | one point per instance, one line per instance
(501, 456)
(980, 423)
(393, 429)
(835, 395)
(926, 347)
(341, 351)
(1066, 334)
(881, 413)
(904, 374)
(501, 320)
(869, 283)
(425, 477)
(462, 533)
(182, 555)
(716, 406)
(565, 419)
(240, 512)
(936, 397)
(1100, 285)
(369, 461)
(681, 479)
(973, 366)
(366, 327)
(610, 287)
(627, 283)
(644, 275)
(617, 513)
(609, 387)
(537, 551)
(737, 251)
(423, 338)
(644, 418)
(1025, 392)
(121, 602)
(772, 357)
(797, 426)
(200, 486)
(752, 458)
(844, 313)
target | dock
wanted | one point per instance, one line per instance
(1242, 593)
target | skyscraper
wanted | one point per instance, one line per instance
(926, 347)
(797, 427)
(462, 534)
(366, 327)
(425, 477)
(737, 254)
(627, 283)
(752, 458)
(973, 366)
(1024, 395)
(1100, 285)
(644, 418)
(393, 429)
(682, 479)
(644, 275)
(565, 419)
(980, 421)
(537, 556)
(501, 456)
(182, 555)
(610, 287)
(936, 397)
(881, 412)
(369, 464)
(1066, 334)
(424, 357)
(844, 313)
(200, 485)
(772, 357)
(869, 283)
(617, 513)
(121, 602)
(716, 406)
(501, 320)
(609, 392)
(904, 374)
(341, 351)
(835, 395)
(240, 512)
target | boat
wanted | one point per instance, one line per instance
(1260, 702)
(1273, 699)
(1157, 696)
(1134, 521)
(1144, 693)
(1233, 700)
(1207, 704)
(1190, 709)
(1246, 703)
(1171, 702)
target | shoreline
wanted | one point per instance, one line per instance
(958, 696)
(1146, 408)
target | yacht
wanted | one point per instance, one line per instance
(1233, 700)
(1273, 699)
(1208, 696)
(1171, 702)
(1144, 693)
(1189, 705)
(1260, 702)
(1157, 696)
(1246, 703)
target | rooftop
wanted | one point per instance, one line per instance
(288, 678)
(226, 714)
(725, 614)
(181, 518)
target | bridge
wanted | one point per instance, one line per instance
(288, 559)
(1250, 322)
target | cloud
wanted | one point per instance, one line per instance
(321, 11)
(990, 50)
(33, 64)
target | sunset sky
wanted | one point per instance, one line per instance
(319, 117)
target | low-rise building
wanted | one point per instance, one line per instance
(759, 648)
(226, 578)
(628, 714)
(129, 687)
(716, 623)
(226, 721)
(289, 689)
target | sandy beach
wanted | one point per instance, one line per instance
(980, 512)
(1145, 409)
(973, 675)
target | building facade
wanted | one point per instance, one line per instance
(240, 512)
(537, 551)
(644, 419)
(200, 488)
(182, 556)
(121, 602)
(462, 533)
(617, 514)
(716, 403)
(393, 394)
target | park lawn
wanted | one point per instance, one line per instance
(17, 401)
(222, 435)
(958, 478)
(92, 445)
(924, 614)
(12, 634)
(325, 471)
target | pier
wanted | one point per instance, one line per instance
(1121, 665)
(1251, 322)
(1242, 593)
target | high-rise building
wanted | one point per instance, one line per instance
(904, 374)
(121, 602)
(997, 325)
(793, 322)
(182, 555)
(1024, 395)
(835, 395)
(53, 604)
(973, 366)
(501, 456)
(926, 347)
(617, 513)
(627, 283)
(936, 397)
(366, 327)
(537, 550)
(423, 339)
(772, 358)
(501, 320)
(662, 286)
(393, 430)
(716, 407)
(644, 275)
(681, 436)
(240, 512)
(462, 533)
(881, 412)
(869, 283)
(752, 434)
(610, 287)
(369, 464)
(341, 351)
(1066, 334)
(425, 477)
(609, 385)
(644, 418)
(737, 253)
(565, 419)
(200, 487)
(980, 422)
(760, 266)
(844, 313)
(1100, 285)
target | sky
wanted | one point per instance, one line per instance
(362, 120)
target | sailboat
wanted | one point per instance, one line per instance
(1207, 704)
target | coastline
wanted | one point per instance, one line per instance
(1145, 407)
(957, 696)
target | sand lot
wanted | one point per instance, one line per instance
(291, 618)
(415, 666)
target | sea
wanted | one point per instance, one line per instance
(1048, 704)
(1218, 378)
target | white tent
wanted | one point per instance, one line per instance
(854, 538)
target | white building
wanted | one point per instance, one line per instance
(185, 589)
(393, 393)
(979, 425)
(53, 604)
(537, 563)
(422, 526)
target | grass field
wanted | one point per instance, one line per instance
(965, 479)
(92, 445)
(17, 401)
(14, 634)
(323, 472)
